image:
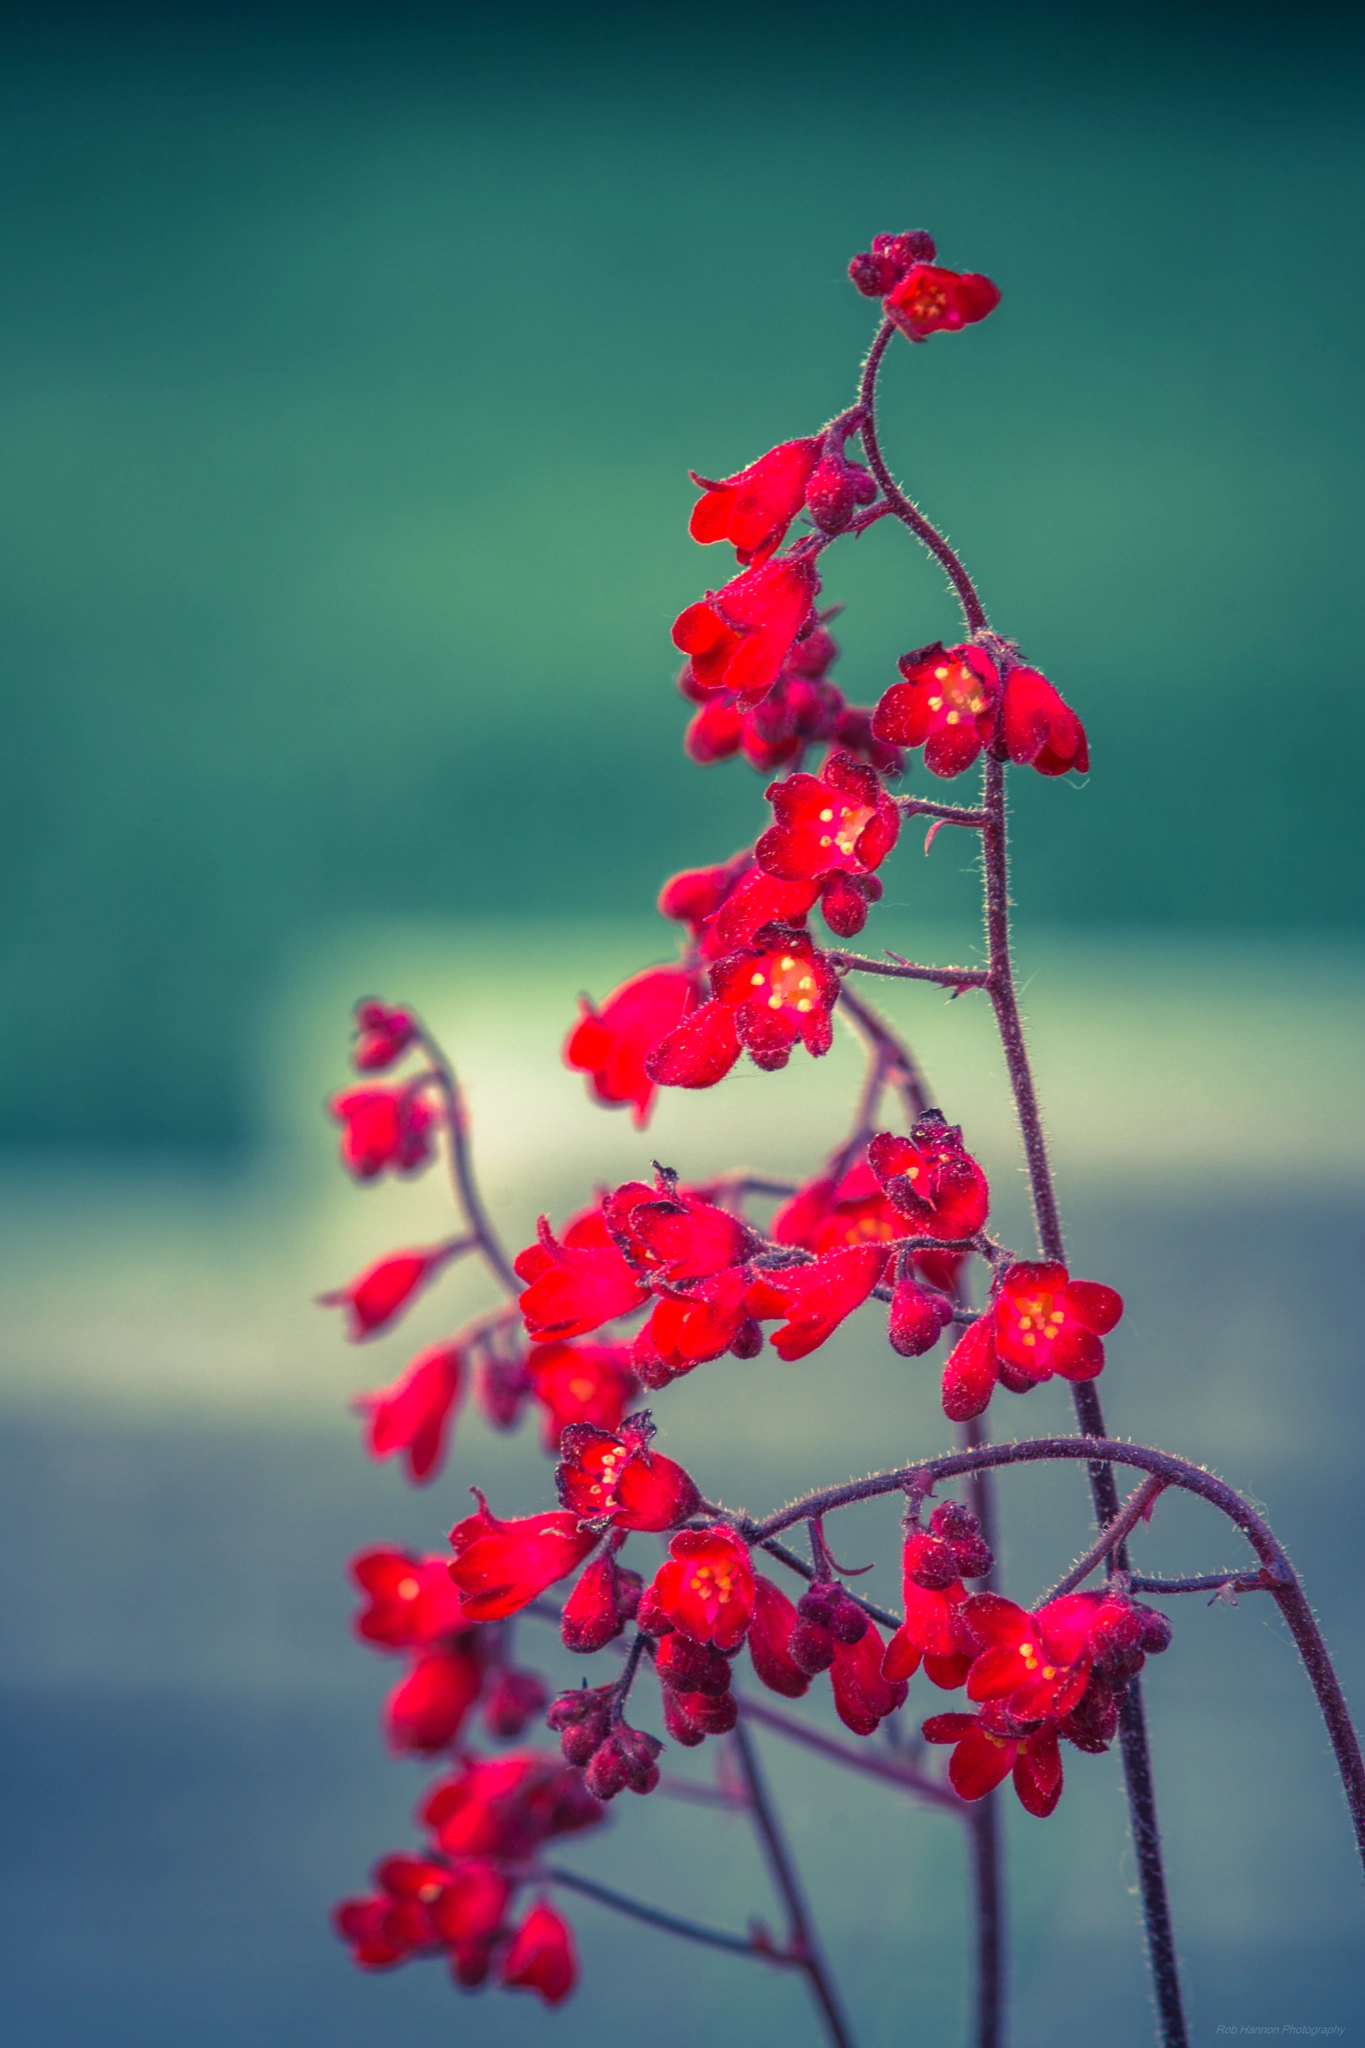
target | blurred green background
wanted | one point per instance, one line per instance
(352, 368)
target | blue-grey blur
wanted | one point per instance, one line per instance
(352, 364)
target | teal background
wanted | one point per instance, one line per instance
(350, 373)
(350, 378)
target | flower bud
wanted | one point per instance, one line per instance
(872, 275)
(900, 251)
(690, 1717)
(582, 1720)
(516, 1698)
(811, 1647)
(650, 1616)
(623, 1762)
(688, 1666)
(592, 1613)
(770, 1635)
(919, 1316)
(960, 1529)
(848, 1623)
(929, 1561)
(748, 1340)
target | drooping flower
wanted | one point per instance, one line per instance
(929, 300)
(505, 1806)
(685, 1330)
(499, 1567)
(706, 1586)
(383, 1035)
(815, 1298)
(576, 1282)
(427, 1709)
(948, 704)
(754, 508)
(375, 1297)
(611, 1045)
(863, 1696)
(1037, 1666)
(764, 998)
(414, 1414)
(932, 1178)
(613, 1478)
(581, 1383)
(382, 1931)
(986, 1750)
(383, 1129)
(623, 1762)
(512, 1701)
(412, 1601)
(739, 638)
(594, 1613)
(1045, 1322)
(770, 1635)
(542, 1957)
(971, 1372)
(1039, 728)
(918, 1318)
(468, 1912)
(840, 821)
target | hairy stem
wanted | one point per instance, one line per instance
(462, 1166)
(653, 1916)
(902, 1068)
(887, 1769)
(801, 1935)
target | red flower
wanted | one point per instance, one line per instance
(578, 1282)
(680, 1236)
(383, 1290)
(947, 704)
(862, 1695)
(426, 1710)
(581, 1383)
(971, 1372)
(754, 508)
(770, 1635)
(500, 1566)
(597, 1609)
(542, 1957)
(384, 1127)
(757, 899)
(382, 1931)
(764, 998)
(932, 1178)
(412, 1601)
(514, 1698)
(624, 1761)
(471, 1903)
(1039, 728)
(1045, 1323)
(918, 1318)
(798, 711)
(985, 1754)
(928, 300)
(690, 1717)
(611, 1044)
(505, 1806)
(876, 270)
(382, 1036)
(685, 1330)
(840, 821)
(614, 1480)
(1038, 1665)
(837, 486)
(706, 1588)
(816, 1298)
(740, 637)
(413, 1415)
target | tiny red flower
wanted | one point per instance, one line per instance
(876, 270)
(514, 1699)
(757, 899)
(985, 1753)
(623, 1762)
(840, 821)
(837, 487)
(862, 1695)
(932, 1178)
(500, 1566)
(971, 1372)
(690, 1717)
(765, 997)
(375, 1297)
(412, 1601)
(918, 1318)
(948, 704)
(1038, 1665)
(816, 1298)
(577, 1282)
(706, 1587)
(413, 1415)
(472, 1902)
(504, 1806)
(582, 1720)
(384, 1128)
(1039, 728)
(382, 1036)
(611, 1045)
(770, 1635)
(426, 1710)
(581, 1383)
(542, 1957)
(928, 300)
(754, 508)
(1045, 1322)
(613, 1479)
(382, 1932)
(592, 1616)
(739, 638)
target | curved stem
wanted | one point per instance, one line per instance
(462, 1165)
(1279, 1577)
(653, 1916)
(865, 1760)
(1110, 1537)
(801, 1934)
(973, 611)
(903, 1070)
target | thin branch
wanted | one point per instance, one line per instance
(801, 1934)
(903, 1776)
(654, 1916)
(1113, 1534)
(905, 1072)
(462, 1165)
(798, 1564)
(947, 814)
(909, 970)
(1207, 1582)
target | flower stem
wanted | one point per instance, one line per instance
(653, 1916)
(462, 1166)
(801, 1934)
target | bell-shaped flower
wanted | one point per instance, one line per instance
(499, 1567)
(411, 1599)
(578, 1281)
(1044, 1322)
(754, 508)
(414, 1414)
(930, 300)
(1039, 728)
(613, 1479)
(427, 1709)
(932, 1178)
(376, 1297)
(383, 1129)
(542, 1957)
(770, 1635)
(611, 1045)
(986, 1751)
(580, 1383)
(948, 704)
(706, 1586)
(765, 997)
(815, 1298)
(840, 821)
(739, 638)
(863, 1696)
